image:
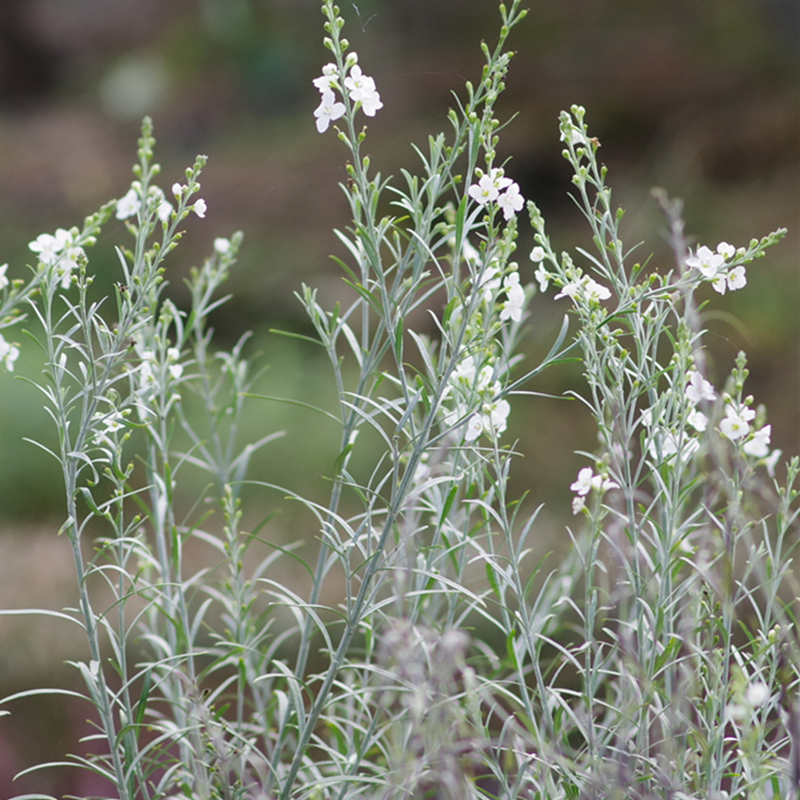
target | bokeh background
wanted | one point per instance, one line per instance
(701, 97)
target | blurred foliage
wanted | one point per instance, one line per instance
(699, 98)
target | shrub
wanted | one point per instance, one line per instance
(658, 659)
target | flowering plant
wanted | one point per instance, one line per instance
(657, 656)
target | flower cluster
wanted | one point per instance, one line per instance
(496, 188)
(756, 694)
(585, 289)
(713, 267)
(585, 483)
(542, 276)
(199, 206)
(358, 87)
(490, 282)
(108, 424)
(131, 204)
(60, 250)
(149, 365)
(734, 426)
(155, 370)
(580, 288)
(698, 390)
(466, 382)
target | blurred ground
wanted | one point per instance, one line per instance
(700, 98)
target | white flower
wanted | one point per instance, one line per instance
(537, 254)
(602, 483)
(146, 367)
(128, 205)
(758, 446)
(706, 262)
(498, 416)
(726, 250)
(371, 103)
(595, 291)
(719, 284)
(177, 190)
(736, 278)
(698, 420)
(3, 278)
(68, 262)
(70, 258)
(578, 504)
(587, 481)
(757, 694)
(733, 280)
(573, 136)
(164, 210)
(175, 370)
(543, 276)
(9, 353)
(328, 110)
(361, 89)
(464, 371)
(586, 288)
(47, 247)
(511, 201)
(583, 485)
(328, 78)
(736, 422)
(771, 461)
(474, 427)
(358, 85)
(222, 245)
(484, 191)
(111, 423)
(512, 308)
(465, 374)
(493, 419)
(200, 207)
(671, 444)
(471, 254)
(488, 188)
(492, 278)
(698, 388)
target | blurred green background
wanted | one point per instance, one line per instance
(698, 96)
